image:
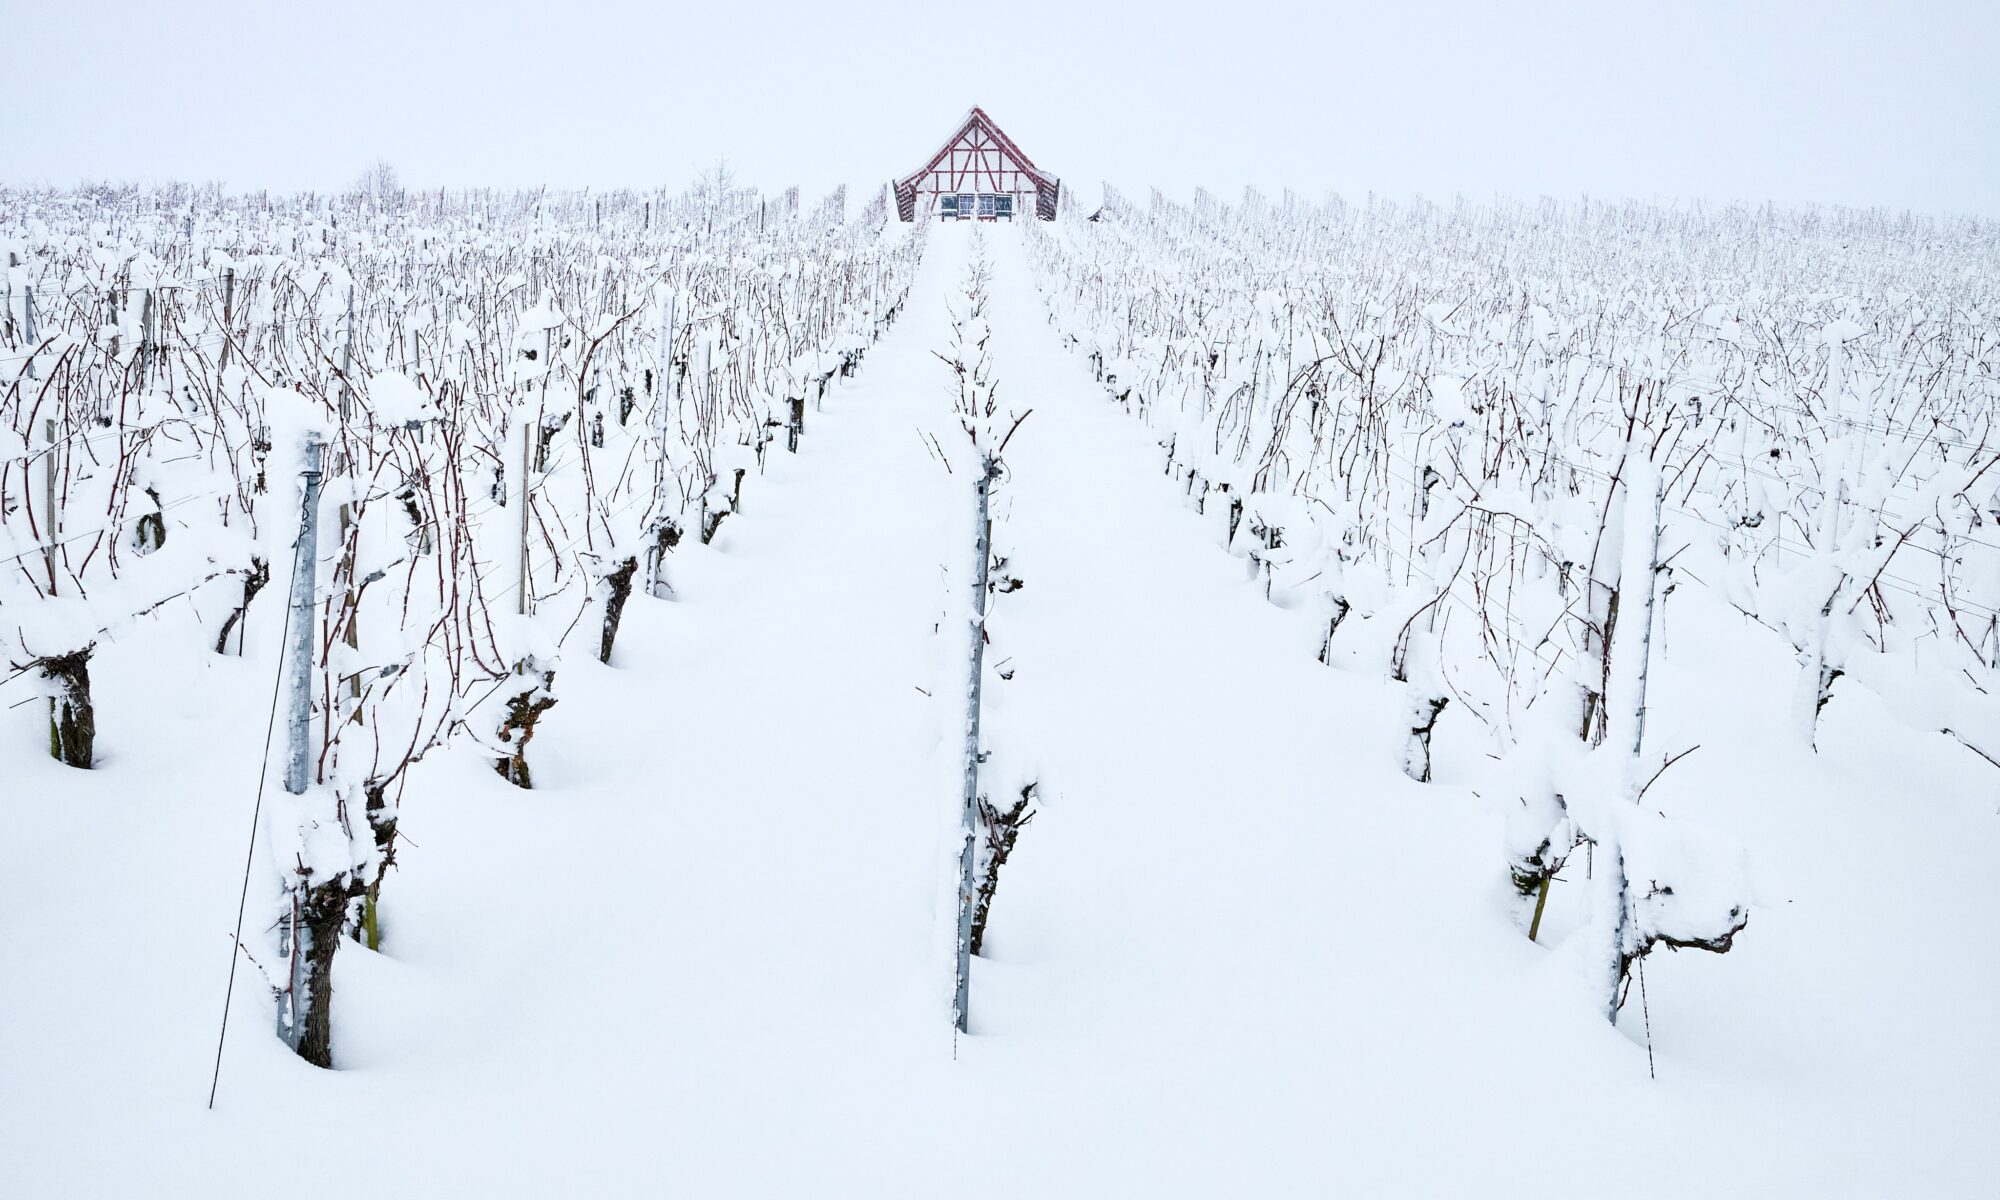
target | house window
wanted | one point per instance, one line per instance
(965, 209)
(1003, 206)
(986, 206)
(948, 206)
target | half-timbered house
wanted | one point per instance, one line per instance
(978, 174)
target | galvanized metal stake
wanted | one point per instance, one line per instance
(228, 315)
(49, 433)
(347, 364)
(305, 581)
(976, 660)
(664, 367)
(298, 724)
(146, 338)
(28, 311)
(527, 494)
(1646, 631)
(663, 398)
(1617, 883)
(49, 498)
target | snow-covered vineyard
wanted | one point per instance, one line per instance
(728, 694)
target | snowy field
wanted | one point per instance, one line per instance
(1336, 555)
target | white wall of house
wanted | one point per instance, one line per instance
(978, 167)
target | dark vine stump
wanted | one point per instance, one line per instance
(72, 716)
(617, 590)
(322, 914)
(1003, 828)
(259, 575)
(1422, 732)
(382, 821)
(666, 536)
(523, 710)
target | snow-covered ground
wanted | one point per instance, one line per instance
(1238, 952)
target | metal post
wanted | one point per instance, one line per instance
(976, 661)
(347, 363)
(155, 301)
(663, 397)
(49, 498)
(48, 452)
(347, 508)
(1616, 883)
(298, 727)
(664, 368)
(1646, 614)
(305, 581)
(527, 465)
(28, 311)
(228, 314)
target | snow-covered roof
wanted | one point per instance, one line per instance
(976, 118)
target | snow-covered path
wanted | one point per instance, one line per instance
(1236, 954)
(1217, 921)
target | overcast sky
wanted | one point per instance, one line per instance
(1894, 103)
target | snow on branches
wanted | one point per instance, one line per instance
(1481, 446)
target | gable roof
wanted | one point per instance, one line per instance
(977, 119)
(1048, 189)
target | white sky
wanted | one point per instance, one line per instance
(1894, 103)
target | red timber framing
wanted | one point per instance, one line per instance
(978, 166)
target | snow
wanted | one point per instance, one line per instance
(1238, 953)
(396, 399)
